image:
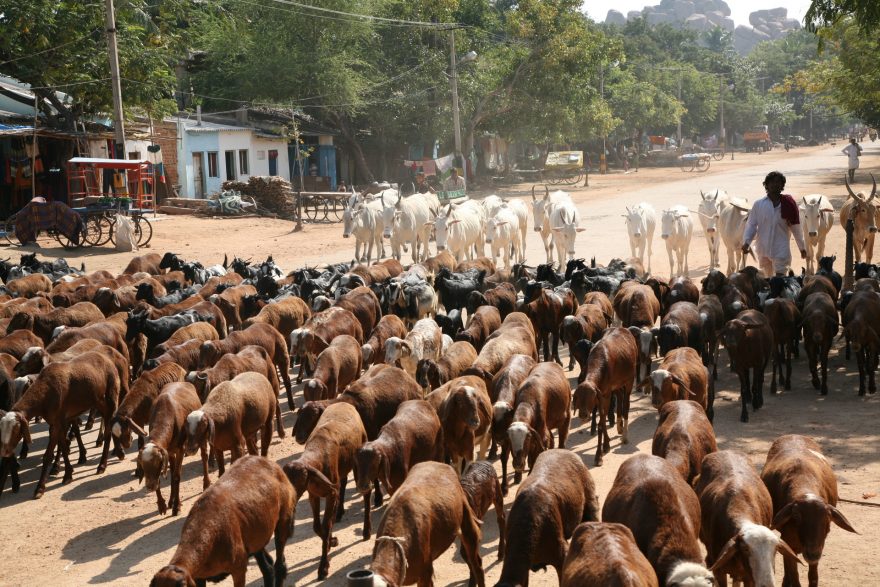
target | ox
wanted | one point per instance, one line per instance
(676, 229)
(817, 217)
(565, 219)
(501, 233)
(364, 221)
(407, 220)
(640, 223)
(863, 212)
(460, 229)
(732, 224)
(709, 212)
(541, 211)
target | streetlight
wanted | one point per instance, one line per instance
(453, 63)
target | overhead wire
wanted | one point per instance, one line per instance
(369, 17)
(50, 49)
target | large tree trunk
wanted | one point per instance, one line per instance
(349, 138)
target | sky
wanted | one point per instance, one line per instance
(740, 9)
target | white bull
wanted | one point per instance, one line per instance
(641, 221)
(565, 220)
(363, 219)
(460, 229)
(732, 218)
(817, 218)
(502, 233)
(676, 228)
(521, 209)
(407, 220)
(491, 204)
(541, 211)
(709, 212)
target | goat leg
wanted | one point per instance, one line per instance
(328, 540)
(206, 481)
(264, 561)
(340, 508)
(68, 468)
(47, 461)
(377, 493)
(368, 524)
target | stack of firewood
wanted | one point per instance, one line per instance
(272, 194)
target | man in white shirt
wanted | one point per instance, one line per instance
(455, 182)
(773, 219)
(852, 151)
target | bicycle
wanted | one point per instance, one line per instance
(143, 230)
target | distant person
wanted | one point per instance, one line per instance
(422, 186)
(342, 187)
(773, 219)
(853, 151)
(455, 182)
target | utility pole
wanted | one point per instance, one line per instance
(603, 164)
(678, 138)
(454, 80)
(118, 124)
(721, 108)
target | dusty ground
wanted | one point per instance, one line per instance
(106, 530)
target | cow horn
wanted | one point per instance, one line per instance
(546, 192)
(628, 210)
(702, 195)
(534, 199)
(849, 189)
(873, 188)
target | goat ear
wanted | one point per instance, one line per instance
(386, 472)
(538, 438)
(838, 518)
(25, 429)
(211, 431)
(678, 381)
(727, 553)
(787, 552)
(137, 429)
(783, 516)
(325, 487)
(644, 384)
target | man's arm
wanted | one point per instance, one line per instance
(751, 228)
(798, 231)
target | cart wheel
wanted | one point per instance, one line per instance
(575, 179)
(718, 155)
(336, 209)
(69, 244)
(687, 165)
(554, 179)
(94, 231)
(143, 230)
(703, 164)
(9, 232)
(106, 230)
(316, 210)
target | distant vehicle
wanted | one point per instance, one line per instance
(797, 140)
(757, 139)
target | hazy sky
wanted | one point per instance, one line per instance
(740, 9)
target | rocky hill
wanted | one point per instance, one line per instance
(705, 15)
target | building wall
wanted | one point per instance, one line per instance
(195, 143)
(165, 134)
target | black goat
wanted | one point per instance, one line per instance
(681, 327)
(145, 292)
(453, 288)
(171, 261)
(159, 330)
(545, 272)
(451, 322)
(826, 268)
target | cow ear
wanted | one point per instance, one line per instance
(579, 229)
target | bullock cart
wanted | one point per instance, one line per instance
(323, 206)
(695, 161)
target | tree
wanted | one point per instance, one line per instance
(828, 13)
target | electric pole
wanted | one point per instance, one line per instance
(678, 138)
(454, 80)
(118, 124)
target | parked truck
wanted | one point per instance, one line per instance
(758, 139)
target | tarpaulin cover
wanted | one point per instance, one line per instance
(43, 216)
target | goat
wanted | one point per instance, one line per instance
(557, 496)
(803, 488)
(665, 528)
(684, 436)
(337, 366)
(749, 342)
(504, 387)
(604, 554)
(466, 415)
(432, 374)
(861, 325)
(480, 484)
(481, 324)
(681, 375)
(373, 351)
(820, 324)
(784, 318)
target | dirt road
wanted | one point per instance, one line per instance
(106, 530)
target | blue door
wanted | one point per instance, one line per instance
(273, 162)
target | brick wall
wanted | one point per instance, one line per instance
(165, 133)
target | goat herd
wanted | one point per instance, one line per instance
(187, 359)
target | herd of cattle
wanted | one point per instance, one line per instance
(408, 372)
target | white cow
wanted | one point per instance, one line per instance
(491, 204)
(565, 220)
(732, 218)
(407, 220)
(817, 218)
(502, 233)
(676, 228)
(460, 228)
(709, 213)
(363, 219)
(640, 223)
(541, 211)
(521, 209)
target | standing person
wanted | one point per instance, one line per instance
(773, 219)
(853, 151)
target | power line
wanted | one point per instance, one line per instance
(380, 19)
(50, 49)
(56, 86)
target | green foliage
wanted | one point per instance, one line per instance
(828, 13)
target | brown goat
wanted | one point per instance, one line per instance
(412, 436)
(681, 289)
(29, 285)
(511, 339)
(820, 324)
(813, 284)
(502, 297)
(231, 417)
(44, 324)
(588, 322)
(148, 263)
(712, 316)
(485, 321)
(201, 331)
(425, 516)
(663, 513)
(459, 356)
(164, 446)
(317, 334)
(439, 261)
(480, 264)
(186, 355)
(785, 321)
(229, 301)
(373, 351)
(364, 304)
(232, 521)
(736, 515)
(261, 335)
(598, 298)
(466, 415)
(611, 368)
(285, 315)
(558, 495)
(546, 313)
(543, 402)
(683, 437)
(636, 305)
(861, 326)
(18, 342)
(322, 469)
(251, 358)
(60, 394)
(605, 555)
(480, 484)
(505, 385)
(134, 411)
(749, 342)
(803, 488)
(681, 375)
(335, 368)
